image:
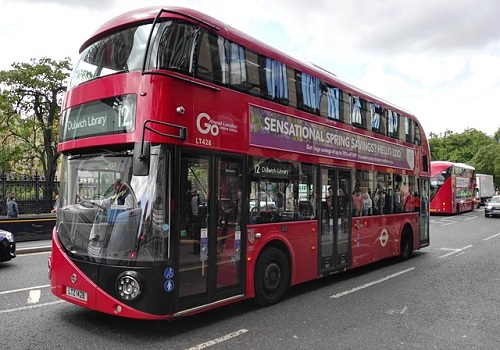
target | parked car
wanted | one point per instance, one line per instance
(492, 208)
(7, 246)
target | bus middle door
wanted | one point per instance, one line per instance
(335, 226)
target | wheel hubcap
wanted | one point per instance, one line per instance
(272, 277)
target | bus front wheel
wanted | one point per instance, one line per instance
(272, 276)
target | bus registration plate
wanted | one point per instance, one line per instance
(77, 294)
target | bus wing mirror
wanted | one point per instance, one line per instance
(141, 158)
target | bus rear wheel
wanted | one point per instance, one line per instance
(272, 276)
(406, 244)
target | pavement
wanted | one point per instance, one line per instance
(33, 246)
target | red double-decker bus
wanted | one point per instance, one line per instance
(201, 167)
(452, 187)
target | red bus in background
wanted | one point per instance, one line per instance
(201, 167)
(452, 187)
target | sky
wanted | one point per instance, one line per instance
(438, 59)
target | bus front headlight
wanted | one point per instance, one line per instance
(128, 285)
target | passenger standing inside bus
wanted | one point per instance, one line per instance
(195, 202)
(195, 226)
(239, 202)
(279, 201)
(357, 203)
(367, 204)
(398, 198)
(375, 202)
(408, 202)
(416, 201)
(379, 200)
(313, 206)
(329, 203)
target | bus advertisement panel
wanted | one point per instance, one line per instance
(201, 167)
(452, 188)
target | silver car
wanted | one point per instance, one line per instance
(492, 208)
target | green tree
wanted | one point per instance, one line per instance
(487, 161)
(460, 148)
(437, 144)
(497, 135)
(30, 99)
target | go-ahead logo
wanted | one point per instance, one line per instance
(206, 125)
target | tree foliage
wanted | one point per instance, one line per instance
(30, 99)
(459, 148)
(487, 160)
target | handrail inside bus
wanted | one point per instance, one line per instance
(156, 21)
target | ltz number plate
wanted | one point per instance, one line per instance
(76, 294)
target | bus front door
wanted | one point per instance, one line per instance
(210, 244)
(335, 227)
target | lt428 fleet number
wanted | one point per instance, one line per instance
(202, 141)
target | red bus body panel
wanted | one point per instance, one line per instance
(374, 238)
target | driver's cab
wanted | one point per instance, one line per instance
(116, 221)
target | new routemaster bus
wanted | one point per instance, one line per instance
(201, 167)
(452, 187)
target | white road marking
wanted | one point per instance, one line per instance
(34, 296)
(23, 289)
(30, 307)
(444, 223)
(490, 237)
(219, 340)
(452, 220)
(396, 311)
(453, 251)
(371, 283)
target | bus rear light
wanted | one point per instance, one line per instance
(128, 286)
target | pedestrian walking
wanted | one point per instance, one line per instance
(56, 204)
(12, 207)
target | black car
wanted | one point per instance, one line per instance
(7, 246)
(492, 208)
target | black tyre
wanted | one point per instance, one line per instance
(272, 277)
(406, 244)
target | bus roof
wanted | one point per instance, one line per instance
(148, 14)
(439, 165)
